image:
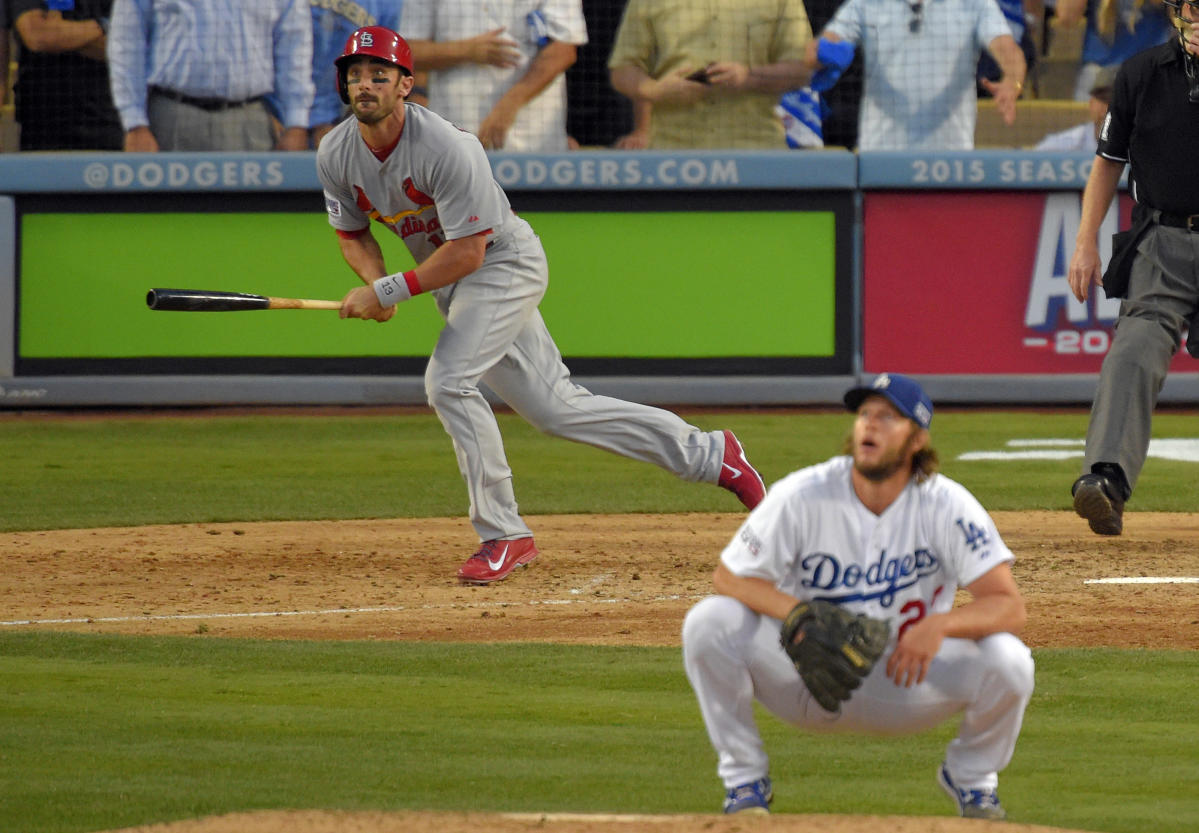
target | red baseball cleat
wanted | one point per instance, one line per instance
(496, 559)
(738, 476)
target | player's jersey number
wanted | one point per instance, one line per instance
(916, 610)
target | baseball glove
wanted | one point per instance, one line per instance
(832, 649)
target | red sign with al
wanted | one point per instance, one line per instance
(975, 282)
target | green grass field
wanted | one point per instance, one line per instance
(131, 471)
(99, 732)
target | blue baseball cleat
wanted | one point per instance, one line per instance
(972, 804)
(753, 798)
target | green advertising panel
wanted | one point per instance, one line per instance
(622, 284)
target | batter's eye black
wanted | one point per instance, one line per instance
(917, 17)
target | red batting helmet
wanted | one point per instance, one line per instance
(372, 42)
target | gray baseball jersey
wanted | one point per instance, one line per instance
(437, 185)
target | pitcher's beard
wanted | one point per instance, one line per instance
(881, 470)
(889, 465)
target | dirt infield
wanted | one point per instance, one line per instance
(611, 580)
(616, 580)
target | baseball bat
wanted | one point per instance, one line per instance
(203, 300)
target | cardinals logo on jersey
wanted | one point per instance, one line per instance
(413, 193)
(423, 200)
(408, 222)
(364, 204)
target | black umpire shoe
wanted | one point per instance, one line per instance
(1096, 499)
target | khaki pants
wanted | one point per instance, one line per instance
(179, 126)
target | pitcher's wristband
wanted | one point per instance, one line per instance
(391, 289)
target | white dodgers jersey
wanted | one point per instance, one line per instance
(814, 539)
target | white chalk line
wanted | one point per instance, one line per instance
(626, 818)
(341, 611)
(591, 585)
(1145, 580)
(344, 611)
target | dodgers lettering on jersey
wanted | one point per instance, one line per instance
(814, 539)
(826, 575)
(435, 186)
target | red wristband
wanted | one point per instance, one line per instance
(413, 283)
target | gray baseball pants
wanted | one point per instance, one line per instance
(1163, 295)
(494, 334)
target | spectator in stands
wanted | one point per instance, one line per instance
(497, 71)
(332, 25)
(1083, 138)
(1018, 19)
(4, 41)
(1116, 30)
(920, 60)
(194, 74)
(62, 96)
(709, 77)
(596, 115)
(844, 99)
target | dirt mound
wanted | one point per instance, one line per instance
(415, 822)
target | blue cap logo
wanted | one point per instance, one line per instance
(903, 392)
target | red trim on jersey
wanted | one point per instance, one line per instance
(351, 235)
(382, 153)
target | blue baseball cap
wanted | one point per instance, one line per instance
(903, 392)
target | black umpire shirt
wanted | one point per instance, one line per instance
(1152, 126)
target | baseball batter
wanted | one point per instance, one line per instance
(878, 532)
(431, 184)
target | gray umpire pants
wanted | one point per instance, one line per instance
(494, 334)
(1163, 296)
(179, 126)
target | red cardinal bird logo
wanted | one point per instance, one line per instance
(416, 195)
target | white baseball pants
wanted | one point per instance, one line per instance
(732, 656)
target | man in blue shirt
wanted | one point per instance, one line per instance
(919, 60)
(193, 75)
(333, 21)
(1116, 30)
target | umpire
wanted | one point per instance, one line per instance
(1153, 126)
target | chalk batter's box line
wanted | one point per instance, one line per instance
(337, 611)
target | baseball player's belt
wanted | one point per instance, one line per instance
(209, 104)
